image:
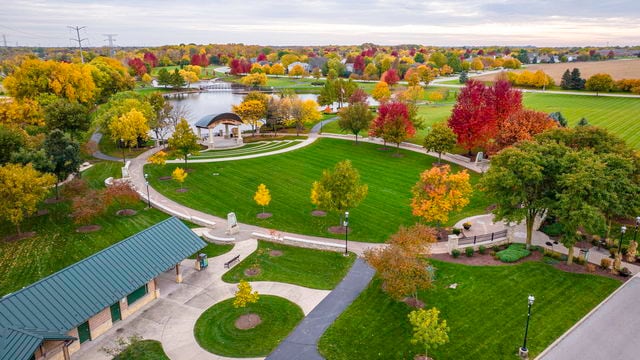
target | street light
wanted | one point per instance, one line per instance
(146, 176)
(635, 235)
(124, 161)
(524, 352)
(623, 229)
(346, 232)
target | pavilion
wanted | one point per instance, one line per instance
(211, 121)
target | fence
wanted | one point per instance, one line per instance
(482, 238)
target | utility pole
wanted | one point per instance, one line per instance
(110, 38)
(4, 39)
(78, 40)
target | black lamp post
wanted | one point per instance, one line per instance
(635, 235)
(124, 160)
(623, 229)
(523, 350)
(346, 232)
(146, 176)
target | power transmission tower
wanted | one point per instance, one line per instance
(78, 40)
(111, 39)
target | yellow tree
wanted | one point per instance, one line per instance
(129, 127)
(427, 329)
(179, 175)
(296, 70)
(189, 76)
(20, 113)
(371, 71)
(255, 80)
(262, 196)
(439, 192)
(303, 112)
(315, 193)
(288, 59)
(277, 69)
(251, 112)
(146, 78)
(256, 68)
(381, 92)
(21, 189)
(477, 64)
(159, 158)
(245, 295)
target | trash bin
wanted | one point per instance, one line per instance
(204, 262)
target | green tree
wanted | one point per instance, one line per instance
(183, 141)
(328, 94)
(12, 139)
(164, 77)
(355, 118)
(583, 122)
(71, 117)
(21, 190)
(340, 189)
(176, 80)
(600, 83)
(64, 155)
(463, 77)
(566, 82)
(427, 329)
(440, 139)
(559, 118)
(577, 82)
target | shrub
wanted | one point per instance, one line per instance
(591, 268)
(554, 229)
(455, 253)
(455, 231)
(482, 249)
(513, 253)
(613, 250)
(492, 254)
(605, 263)
(495, 248)
(625, 272)
(469, 251)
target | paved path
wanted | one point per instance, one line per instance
(95, 137)
(302, 343)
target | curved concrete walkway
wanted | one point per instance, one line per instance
(96, 137)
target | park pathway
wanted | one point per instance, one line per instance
(302, 343)
(96, 137)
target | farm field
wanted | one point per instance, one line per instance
(618, 69)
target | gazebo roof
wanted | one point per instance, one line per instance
(210, 121)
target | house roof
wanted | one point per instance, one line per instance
(50, 307)
(212, 120)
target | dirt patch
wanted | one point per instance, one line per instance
(53, 200)
(618, 69)
(483, 260)
(17, 237)
(491, 207)
(319, 213)
(338, 230)
(126, 212)
(189, 171)
(275, 253)
(252, 271)
(165, 178)
(248, 321)
(264, 215)
(396, 155)
(88, 228)
(422, 357)
(413, 302)
(182, 190)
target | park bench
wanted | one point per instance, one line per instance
(228, 263)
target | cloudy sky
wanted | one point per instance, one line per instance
(312, 22)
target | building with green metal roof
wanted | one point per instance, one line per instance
(82, 301)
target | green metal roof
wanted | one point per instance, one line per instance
(68, 298)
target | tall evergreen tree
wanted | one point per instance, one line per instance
(557, 116)
(64, 155)
(567, 81)
(577, 82)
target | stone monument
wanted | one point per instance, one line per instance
(232, 224)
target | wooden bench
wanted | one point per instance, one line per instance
(228, 263)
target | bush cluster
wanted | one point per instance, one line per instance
(482, 249)
(455, 253)
(469, 251)
(513, 253)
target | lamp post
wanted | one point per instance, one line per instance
(524, 352)
(623, 229)
(124, 160)
(146, 176)
(635, 235)
(346, 232)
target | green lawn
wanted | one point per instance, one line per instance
(252, 148)
(215, 330)
(289, 177)
(109, 147)
(213, 250)
(305, 267)
(143, 350)
(57, 244)
(486, 313)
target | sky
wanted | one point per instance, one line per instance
(310, 22)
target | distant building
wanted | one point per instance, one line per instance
(53, 317)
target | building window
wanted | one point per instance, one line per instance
(137, 294)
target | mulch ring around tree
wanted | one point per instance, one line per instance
(248, 321)
(53, 200)
(338, 230)
(189, 171)
(252, 271)
(319, 213)
(275, 253)
(264, 215)
(165, 178)
(88, 228)
(422, 357)
(413, 302)
(16, 237)
(126, 212)
(182, 190)
(41, 212)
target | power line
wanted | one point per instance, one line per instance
(111, 39)
(78, 40)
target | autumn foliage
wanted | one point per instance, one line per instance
(262, 196)
(439, 192)
(120, 193)
(393, 123)
(390, 77)
(522, 125)
(87, 207)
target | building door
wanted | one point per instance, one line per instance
(115, 312)
(84, 333)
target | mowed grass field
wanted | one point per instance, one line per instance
(618, 114)
(486, 313)
(289, 177)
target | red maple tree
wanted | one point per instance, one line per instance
(390, 77)
(473, 117)
(393, 123)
